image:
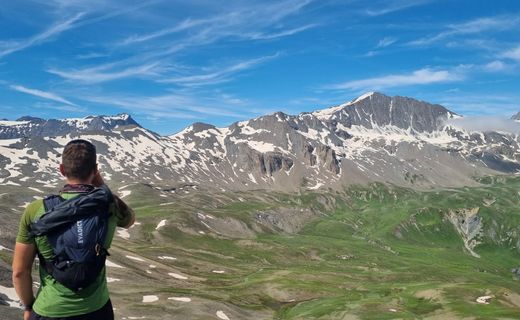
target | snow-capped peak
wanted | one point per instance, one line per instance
(362, 97)
(325, 113)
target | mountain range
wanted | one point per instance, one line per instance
(374, 138)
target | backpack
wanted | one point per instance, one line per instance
(76, 229)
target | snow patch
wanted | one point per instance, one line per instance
(36, 189)
(150, 298)
(317, 186)
(161, 224)
(124, 193)
(135, 258)
(166, 258)
(326, 113)
(123, 233)
(181, 299)
(219, 271)
(11, 295)
(13, 123)
(111, 264)
(177, 276)
(222, 315)
(484, 299)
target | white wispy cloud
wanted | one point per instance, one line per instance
(417, 77)
(257, 22)
(91, 55)
(107, 72)
(182, 26)
(387, 7)
(9, 47)
(60, 107)
(248, 22)
(219, 76)
(513, 54)
(476, 26)
(42, 94)
(385, 42)
(186, 106)
(486, 124)
(495, 66)
(279, 34)
(467, 103)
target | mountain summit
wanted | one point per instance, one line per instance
(374, 109)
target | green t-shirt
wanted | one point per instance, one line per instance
(53, 299)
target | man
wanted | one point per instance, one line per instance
(55, 300)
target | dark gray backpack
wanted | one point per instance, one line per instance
(76, 230)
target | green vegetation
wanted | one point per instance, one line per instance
(371, 252)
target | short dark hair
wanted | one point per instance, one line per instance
(78, 159)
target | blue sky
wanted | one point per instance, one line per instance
(172, 63)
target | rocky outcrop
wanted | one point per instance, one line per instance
(327, 156)
(468, 224)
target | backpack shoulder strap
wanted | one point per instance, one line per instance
(49, 202)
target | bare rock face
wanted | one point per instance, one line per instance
(308, 155)
(327, 156)
(468, 224)
(269, 163)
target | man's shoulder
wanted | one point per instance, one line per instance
(34, 207)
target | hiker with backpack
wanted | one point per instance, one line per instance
(70, 234)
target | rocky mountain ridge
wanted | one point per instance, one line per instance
(375, 137)
(28, 126)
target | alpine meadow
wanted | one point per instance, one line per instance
(284, 159)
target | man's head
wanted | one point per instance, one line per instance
(79, 161)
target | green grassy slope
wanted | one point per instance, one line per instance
(368, 252)
(376, 252)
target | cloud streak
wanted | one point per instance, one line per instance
(279, 34)
(13, 46)
(171, 106)
(394, 6)
(513, 54)
(418, 77)
(249, 23)
(486, 124)
(385, 42)
(42, 94)
(103, 73)
(476, 26)
(222, 75)
(182, 26)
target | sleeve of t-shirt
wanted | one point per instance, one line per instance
(27, 218)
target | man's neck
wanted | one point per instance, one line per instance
(77, 181)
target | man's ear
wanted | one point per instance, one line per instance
(62, 170)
